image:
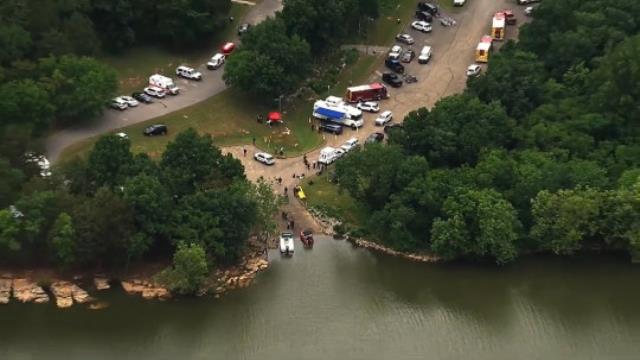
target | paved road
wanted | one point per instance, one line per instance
(453, 50)
(192, 92)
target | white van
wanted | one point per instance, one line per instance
(327, 155)
(165, 83)
(425, 55)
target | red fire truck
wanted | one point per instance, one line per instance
(375, 91)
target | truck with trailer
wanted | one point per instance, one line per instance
(370, 92)
(344, 115)
(165, 83)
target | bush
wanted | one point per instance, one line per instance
(189, 270)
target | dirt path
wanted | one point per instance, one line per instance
(453, 50)
(192, 92)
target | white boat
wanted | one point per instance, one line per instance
(286, 243)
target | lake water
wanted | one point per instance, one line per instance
(337, 302)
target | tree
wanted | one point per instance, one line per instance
(478, 223)
(25, 102)
(62, 241)
(9, 231)
(189, 270)
(80, 86)
(564, 220)
(15, 43)
(189, 161)
(267, 205)
(151, 206)
(270, 62)
(456, 130)
(10, 183)
(110, 161)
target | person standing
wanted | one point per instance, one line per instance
(244, 150)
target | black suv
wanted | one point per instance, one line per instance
(394, 65)
(428, 7)
(376, 137)
(142, 97)
(392, 79)
(424, 16)
(158, 129)
(331, 128)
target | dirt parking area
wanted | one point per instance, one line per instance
(453, 49)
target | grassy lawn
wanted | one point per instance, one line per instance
(325, 196)
(136, 65)
(230, 117)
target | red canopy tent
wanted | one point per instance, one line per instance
(274, 117)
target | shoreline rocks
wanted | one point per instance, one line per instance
(26, 291)
(5, 291)
(67, 293)
(146, 289)
(101, 283)
(426, 258)
(239, 277)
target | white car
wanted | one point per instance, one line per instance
(155, 92)
(421, 26)
(395, 52)
(216, 61)
(340, 152)
(528, 10)
(459, 2)
(349, 144)
(122, 135)
(368, 106)
(119, 104)
(384, 118)
(43, 163)
(188, 73)
(405, 38)
(473, 70)
(425, 55)
(286, 243)
(264, 158)
(131, 102)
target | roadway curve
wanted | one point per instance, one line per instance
(192, 92)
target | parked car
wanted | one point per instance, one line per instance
(459, 2)
(384, 118)
(243, 29)
(528, 10)
(142, 97)
(369, 106)
(424, 16)
(228, 48)
(122, 135)
(119, 104)
(131, 102)
(428, 7)
(392, 79)
(350, 144)
(216, 61)
(40, 161)
(421, 26)
(425, 55)
(331, 128)
(405, 38)
(526, 2)
(376, 137)
(188, 73)
(407, 56)
(340, 152)
(264, 158)
(157, 129)
(394, 65)
(155, 92)
(510, 18)
(473, 70)
(392, 127)
(395, 52)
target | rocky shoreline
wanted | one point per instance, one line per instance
(327, 224)
(67, 293)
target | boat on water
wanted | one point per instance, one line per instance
(306, 236)
(286, 243)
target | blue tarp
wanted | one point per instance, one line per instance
(330, 114)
